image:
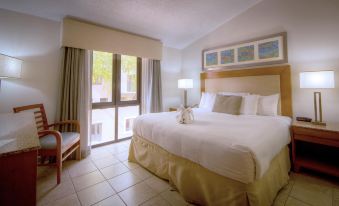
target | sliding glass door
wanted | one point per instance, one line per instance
(115, 96)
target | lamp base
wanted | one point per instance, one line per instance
(319, 123)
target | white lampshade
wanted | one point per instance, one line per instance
(317, 80)
(9, 67)
(185, 83)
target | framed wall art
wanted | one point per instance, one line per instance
(266, 50)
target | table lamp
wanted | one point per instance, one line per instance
(9, 67)
(185, 84)
(317, 80)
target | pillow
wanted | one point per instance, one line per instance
(207, 100)
(249, 105)
(234, 93)
(227, 104)
(268, 105)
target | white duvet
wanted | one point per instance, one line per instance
(238, 147)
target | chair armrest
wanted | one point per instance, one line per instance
(73, 122)
(55, 133)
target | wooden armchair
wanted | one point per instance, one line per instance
(56, 146)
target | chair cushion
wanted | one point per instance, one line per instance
(49, 141)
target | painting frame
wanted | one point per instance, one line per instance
(267, 50)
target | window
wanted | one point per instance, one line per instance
(115, 96)
(102, 77)
(103, 129)
(128, 86)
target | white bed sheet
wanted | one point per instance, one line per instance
(238, 147)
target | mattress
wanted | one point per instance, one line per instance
(239, 147)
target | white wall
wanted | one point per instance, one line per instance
(170, 73)
(37, 42)
(313, 44)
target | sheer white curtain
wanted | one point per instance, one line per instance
(151, 94)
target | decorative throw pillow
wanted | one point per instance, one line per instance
(207, 100)
(249, 105)
(268, 105)
(227, 104)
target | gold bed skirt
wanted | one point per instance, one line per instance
(201, 186)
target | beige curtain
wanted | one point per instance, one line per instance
(75, 92)
(151, 100)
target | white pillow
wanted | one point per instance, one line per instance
(268, 105)
(207, 100)
(234, 93)
(249, 105)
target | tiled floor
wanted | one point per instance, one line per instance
(107, 178)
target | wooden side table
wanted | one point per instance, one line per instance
(172, 109)
(315, 147)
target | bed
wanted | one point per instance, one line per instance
(222, 159)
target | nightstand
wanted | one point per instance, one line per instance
(315, 147)
(172, 109)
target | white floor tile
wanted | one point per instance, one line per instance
(50, 193)
(157, 184)
(116, 149)
(99, 154)
(70, 200)
(137, 194)
(49, 177)
(312, 191)
(130, 165)
(122, 156)
(124, 143)
(87, 180)
(111, 201)
(81, 169)
(124, 181)
(114, 170)
(142, 173)
(95, 193)
(156, 201)
(105, 162)
(68, 164)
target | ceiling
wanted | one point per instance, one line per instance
(177, 23)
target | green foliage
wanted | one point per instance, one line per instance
(102, 70)
(102, 67)
(129, 66)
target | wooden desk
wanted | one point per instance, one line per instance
(19, 143)
(315, 147)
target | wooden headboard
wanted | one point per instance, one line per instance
(269, 77)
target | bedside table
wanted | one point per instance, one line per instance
(172, 109)
(315, 147)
